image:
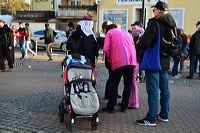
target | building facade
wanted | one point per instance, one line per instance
(125, 12)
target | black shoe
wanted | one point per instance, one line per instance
(189, 77)
(131, 108)
(106, 97)
(162, 119)
(145, 122)
(4, 70)
(50, 59)
(118, 96)
(106, 110)
(123, 110)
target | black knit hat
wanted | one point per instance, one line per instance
(198, 23)
(161, 6)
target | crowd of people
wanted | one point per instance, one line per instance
(124, 52)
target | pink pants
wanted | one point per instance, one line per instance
(134, 96)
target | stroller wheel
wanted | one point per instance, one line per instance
(69, 126)
(61, 112)
(94, 123)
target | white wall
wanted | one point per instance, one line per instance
(36, 26)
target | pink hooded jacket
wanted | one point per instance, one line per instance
(119, 48)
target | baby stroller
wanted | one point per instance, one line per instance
(80, 96)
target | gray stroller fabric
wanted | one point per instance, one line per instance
(83, 103)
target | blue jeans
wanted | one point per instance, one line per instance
(181, 66)
(22, 46)
(175, 66)
(193, 63)
(156, 80)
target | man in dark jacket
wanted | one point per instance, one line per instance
(194, 46)
(49, 36)
(6, 47)
(157, 80)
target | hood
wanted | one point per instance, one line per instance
(167, 20)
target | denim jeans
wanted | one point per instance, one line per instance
(22, 46)
(156, 80)
(181, 66)
(193, 63)
(175, 66)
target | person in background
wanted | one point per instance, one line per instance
(22, 42)
(28, 40)
(6, 47)
(69, 30)
(100, 43)
(15, 35)
(157, 81)
(120, 51)
(49, 39)
(194, 46)
(175, 58)
(83, 41)
(136, 32)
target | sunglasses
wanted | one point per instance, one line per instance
(154, 10)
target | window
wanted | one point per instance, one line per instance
(117, 16)
(178, 15)
(75, 2)
(39, 32)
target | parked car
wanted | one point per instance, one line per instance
(60, 40)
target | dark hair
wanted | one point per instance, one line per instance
(46, 25)
(104, 25)
(70, 24)
(20, 23)
(27, 24)
(111, 26)
(137, 23)
(178, 32)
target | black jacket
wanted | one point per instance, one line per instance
(149, 37)
(195, 43)
(84, 45)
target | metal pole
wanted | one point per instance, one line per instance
(143, 12)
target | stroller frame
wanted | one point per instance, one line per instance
(65, 107)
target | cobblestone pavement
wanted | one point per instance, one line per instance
(29, 98)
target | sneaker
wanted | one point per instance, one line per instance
(50, 59)
(145, 122)
(10, 70)
(34, 55)
(176, 77)
(189, 77)
(161, 119)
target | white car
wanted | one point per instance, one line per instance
(60, 40)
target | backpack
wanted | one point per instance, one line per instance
(170, 43)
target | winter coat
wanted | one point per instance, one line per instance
(49, 36)
(84, 45)
(6, 41)
(195, 43)
(149, 37)
(119, 48)
(22, 33)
